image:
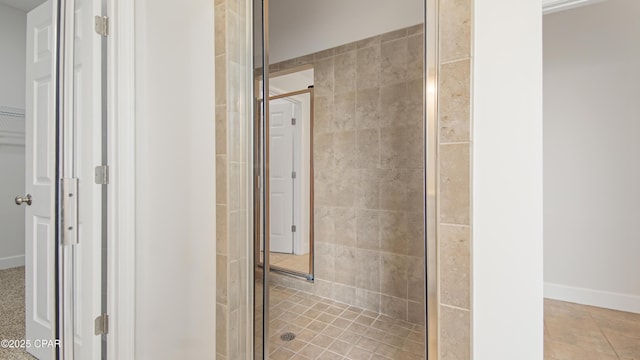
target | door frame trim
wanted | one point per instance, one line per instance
(121, 227)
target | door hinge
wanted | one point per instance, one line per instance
(69, 212)
(102, 324)
(293, 228)
(293, 121)
(294, 175)
(102, 25)
(102, 175)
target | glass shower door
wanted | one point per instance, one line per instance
(368, 295)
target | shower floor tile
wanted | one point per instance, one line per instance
(327, 329)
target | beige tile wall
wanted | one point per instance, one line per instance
(233, 309)
(368, 169)
(454, 161)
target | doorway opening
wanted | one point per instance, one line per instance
(290, 181)
(18, 275)
(51, 251)
(368, 294)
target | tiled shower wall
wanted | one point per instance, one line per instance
(454, 198)
(368, 169)
(233, 309)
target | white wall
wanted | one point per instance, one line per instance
(11, 216)
(507, 181)
(13, 36)
(175, 180)
(321, 25)
(592, 155)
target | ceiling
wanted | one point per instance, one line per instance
(551, 6)
(548, 5)
(24, 5)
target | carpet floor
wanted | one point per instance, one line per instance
(12, 312)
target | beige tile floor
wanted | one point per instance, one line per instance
(329, 330)
(579, 332)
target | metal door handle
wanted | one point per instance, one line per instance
(23, 200)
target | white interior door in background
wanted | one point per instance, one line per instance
(83, 150)
(39, 182)
(300, 205)
(281, 202)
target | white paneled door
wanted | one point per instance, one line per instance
(81, 288)
(40, 183)
(280, 177)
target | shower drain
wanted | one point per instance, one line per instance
(288, 336)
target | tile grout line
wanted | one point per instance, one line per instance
(604, 335)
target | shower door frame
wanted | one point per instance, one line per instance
(431, 131)
(430, 121)
(257, 187)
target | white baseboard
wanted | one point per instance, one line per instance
(301, 249)
(11, 262)
(599, 298)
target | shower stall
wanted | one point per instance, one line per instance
(371, 199)
(367, 293)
